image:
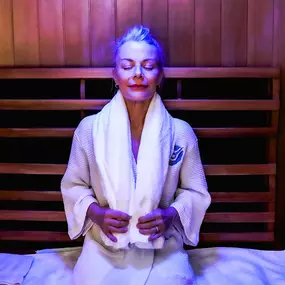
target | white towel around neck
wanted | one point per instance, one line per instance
(114, 157)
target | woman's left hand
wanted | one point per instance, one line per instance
(157, 222)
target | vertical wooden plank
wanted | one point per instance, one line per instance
(234, 32)
(51, 32)
(260, 33)
(272, 151)
(102, 20)
(26, 32)
(128, 14)
(6, 33)
(76, 30)
(207, 32)
(279, 42)
(82, 96)
(154, 16)
(181, 31)
(276, 33)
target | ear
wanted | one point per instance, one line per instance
(160, 78)
(115, 77)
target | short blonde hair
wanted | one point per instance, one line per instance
(140, 34)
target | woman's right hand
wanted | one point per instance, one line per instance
(110, 221)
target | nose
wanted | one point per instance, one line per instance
(138, 71)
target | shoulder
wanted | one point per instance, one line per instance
(184, 133)
(85, 126)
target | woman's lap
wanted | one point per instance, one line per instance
(169, 266)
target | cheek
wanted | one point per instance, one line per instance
(153, 81)
(122, 80)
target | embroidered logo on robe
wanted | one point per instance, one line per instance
(176, 155)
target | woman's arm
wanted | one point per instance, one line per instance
(192, 198)
(76, 191)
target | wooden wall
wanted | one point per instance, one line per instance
(193, 33)
(196, 33)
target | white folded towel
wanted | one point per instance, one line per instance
(136, 194)
(13, 268)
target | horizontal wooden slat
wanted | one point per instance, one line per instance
(55, 73)
(32, 168)
(34, 236)
(59, 216)
(23, 195)
(224, 72)
(196, 105)
(232, 132)
(237, 237)
(247, 169)
(239, 217)
(36, 132)
(237, 197)
(59, 169)
(170, 72)
(204, 237)
(217, 197)
(23, 215)
(200, 132)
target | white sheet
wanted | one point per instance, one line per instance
(13, 268)
(212, 266)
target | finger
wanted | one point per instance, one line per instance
(118, 215)
(116, 223)
(147, 225)
(148, 231)
(154, 236)
(111, 237)
(117, 230)
(154, 215)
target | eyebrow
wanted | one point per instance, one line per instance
(147, 59)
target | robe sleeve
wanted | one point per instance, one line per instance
(76, 191)
(192, 198)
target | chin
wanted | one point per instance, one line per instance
(138, 96)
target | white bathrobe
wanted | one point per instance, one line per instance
(185, 189)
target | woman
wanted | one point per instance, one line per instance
(135, 185)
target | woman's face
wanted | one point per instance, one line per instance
(137, 71)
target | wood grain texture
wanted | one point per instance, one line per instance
(208, 33)
(128, 14)
(26, 32)
(154, 16)
(23, 195)
(279, 40)
(59, 216)
(6, 33)
(181, 33)
(217, 197)
(234, 32)
(260, 33)
(213, 170)
(204, 237)
(77, 45)
(102, 24)
(170, 72)
(51, 32)
(200, 132)
(98, 104)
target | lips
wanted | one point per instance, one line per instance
(138, 86)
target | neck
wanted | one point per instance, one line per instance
(137, 111)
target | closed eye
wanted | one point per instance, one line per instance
(148, 67)
(127, 67)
